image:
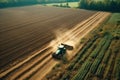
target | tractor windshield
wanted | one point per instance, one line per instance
(57, 52)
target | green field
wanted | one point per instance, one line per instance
(71, 4)
(3, 1)
(114, 18)
(99, 59)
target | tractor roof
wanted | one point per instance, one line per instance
(61, 46)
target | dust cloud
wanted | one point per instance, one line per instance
(66, 37)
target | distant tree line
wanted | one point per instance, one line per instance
(13, 3)
(103, 5)
(62, 5)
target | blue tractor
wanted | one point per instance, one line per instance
(60, 52)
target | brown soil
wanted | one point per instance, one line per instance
(26, 29)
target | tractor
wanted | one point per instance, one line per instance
(61, 51)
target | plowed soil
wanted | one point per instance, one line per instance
(24, 30)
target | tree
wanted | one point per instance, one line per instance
(107, 5)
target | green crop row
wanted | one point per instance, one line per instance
(86, 55)
(104, 49)
(118, 70)
(101, 68)
(106, 58)
(82, 71)
(79, 56)
(100, 71)
(98, 48)
(98, 53)
(66, 76)
(95, 66)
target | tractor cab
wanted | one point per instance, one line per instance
(59, 52)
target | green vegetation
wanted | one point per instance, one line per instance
(117, 74)
(13, 3)
(79, 56)
(115, 18)
(103, 61)
(104, 5)
(91, 66)
(65, 4)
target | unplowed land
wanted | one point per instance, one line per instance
(25, 34)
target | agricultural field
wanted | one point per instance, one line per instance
(99, 59)
(30, 35)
